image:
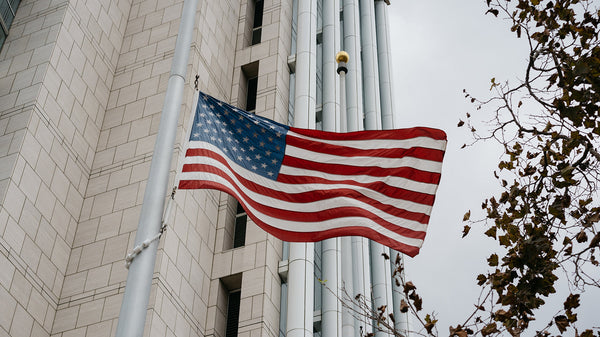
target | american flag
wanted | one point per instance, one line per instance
(307, 185)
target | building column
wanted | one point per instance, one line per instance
(331, 319)
(388, 121)
(354, 104)
(385, 66)
(370, 66)
(301, 259)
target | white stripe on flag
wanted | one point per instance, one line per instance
(372, 144)
(303, 226)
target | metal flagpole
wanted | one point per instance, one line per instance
(139, 279)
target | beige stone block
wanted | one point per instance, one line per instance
(145, 145)
(186, 293)
(253, 282)
(30, 219)
(60, 186)
(60, 254)
(254, 233)
(116, 249)
(65, 319)
(112, 306)
(122, 80)
(130, 220)
(113, 117)
(60, 219)
(37, 306)
(8, 270)
(257, 306)
(243, 258)
(126, 197)
(13, 204)
(103, 203)
(74, 201)
(7, 309)
(97, 278)
(74, 284)
(45, 237)
(14, 235)
(78, 87)
(184, 261)
(119, 178)
(22, 323)
(125, 152)
(102, 329)
(140, 128)
(97, 185)
(118, 135)
(157, 326)
(245, 309)
(20, 63)
(90, 312)
(7, 165)
(135, 110)
(91, 255)
(46, 271)
(5, 141)
(173, 277)
(128, 94)
(222, 264)
(20, 288)
(30, 253)
(81, 332)
(109, 225)
(166, 45)
(118, 272)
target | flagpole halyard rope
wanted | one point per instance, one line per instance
(139, 248)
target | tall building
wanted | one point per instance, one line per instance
(82, 84)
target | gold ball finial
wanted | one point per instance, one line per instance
(342, 56)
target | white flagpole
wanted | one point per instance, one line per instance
(139, 279)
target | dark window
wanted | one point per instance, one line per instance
(233, 314)
(319, 38)
(239, 231)
(248, 86)
(8, 10)
(258, 19)
(251, 94)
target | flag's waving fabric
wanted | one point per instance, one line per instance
(308, 185)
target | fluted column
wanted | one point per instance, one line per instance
(301, 259)
(370, 68)
(331, 316)
(385, 66)
(354, 77)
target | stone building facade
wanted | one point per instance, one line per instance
(82, 84)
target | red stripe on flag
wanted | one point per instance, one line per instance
(308, 236)
(373, 171)
(414, 152)
(318, 216)
(379, 186)
(304, 197)
(399, 134)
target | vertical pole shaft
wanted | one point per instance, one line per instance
(301, 259)
(139, 279)
(345, 242)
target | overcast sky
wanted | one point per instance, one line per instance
(439, 49)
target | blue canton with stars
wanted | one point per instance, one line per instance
(254, 142)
